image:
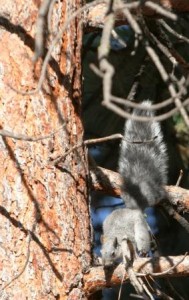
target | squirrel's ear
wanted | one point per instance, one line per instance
(115, 242)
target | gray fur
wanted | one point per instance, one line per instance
(120, 224)
(143, 166)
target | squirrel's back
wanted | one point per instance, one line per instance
(143, 161)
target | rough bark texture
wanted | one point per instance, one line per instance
(98, 279)
(35, 196)
(109, 182)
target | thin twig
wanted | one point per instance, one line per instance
(173, 290)
(145, 288)
(121, 285)
(118, 39)
(100, 140)
(133, 23)
(53, 43)
(127, 102)
(103, 51)
(107, 70)
(23, 137)
(160, 10)
(159, 118)
(164, 272)
(165, 77)
(162, 295)
(49, 16)
(96, 70)
(127, 252)
(25, 264)
(135, 85)
(175, 215)
(87, 142)
(179, 178)
(173, 32)
(163, 49)
(40, 28)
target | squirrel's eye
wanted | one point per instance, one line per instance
(113, 253)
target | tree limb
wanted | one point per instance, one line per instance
(97, 278)
(95, 17)
(109, 182)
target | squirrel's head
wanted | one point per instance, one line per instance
(111, 251)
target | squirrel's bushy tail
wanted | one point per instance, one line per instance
(143, 161)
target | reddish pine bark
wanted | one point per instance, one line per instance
(50, 202)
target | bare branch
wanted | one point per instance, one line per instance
(158, 274)
(95, 17)
(166, 78)
(26, 261)
(87, 142)
(40, 27)
(49, 16)
(133, 23)
(109, 182)
(95, 279)
(128, 255)
(22, 137)
(175, 215)
(179, 178)
(159, 118)
(160, 10)
(107, 70)
(53, 43)
(132, 104)
(103, 50)
(173, 32)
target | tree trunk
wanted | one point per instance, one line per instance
(44, 215)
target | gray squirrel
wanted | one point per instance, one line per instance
(143, 168)
(122, 224)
